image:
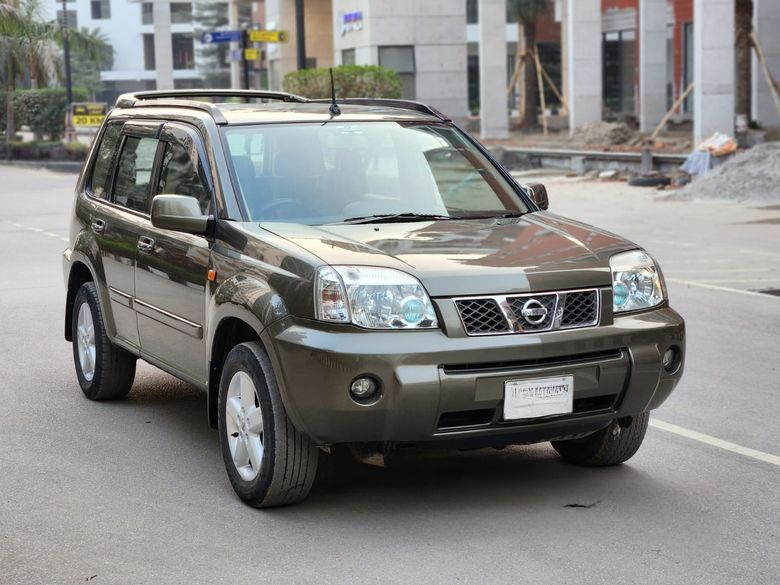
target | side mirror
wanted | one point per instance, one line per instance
(538, 193)
(179, 213)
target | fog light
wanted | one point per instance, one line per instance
(364, 389)
(669, 360)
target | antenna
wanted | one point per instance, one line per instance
(334, 107)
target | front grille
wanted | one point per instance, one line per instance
(482, 316)
(579, 308)
(529, 313)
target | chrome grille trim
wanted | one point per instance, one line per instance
(571, 309)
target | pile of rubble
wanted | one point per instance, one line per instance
(753, 175)
(605, 134)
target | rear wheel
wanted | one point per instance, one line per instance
(104, 371)
(269, 462)
(615, 444)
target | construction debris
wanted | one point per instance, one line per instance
(753, 175)
(604, 134)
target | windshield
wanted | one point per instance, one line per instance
(346, 171)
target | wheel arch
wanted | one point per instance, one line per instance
(80, 273)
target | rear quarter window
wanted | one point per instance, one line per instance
(99, 181)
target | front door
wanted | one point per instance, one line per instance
(172, 267)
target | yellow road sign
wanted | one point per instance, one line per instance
(251, 54)
(87, 120)
(269, 36)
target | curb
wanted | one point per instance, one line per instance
(56, 166)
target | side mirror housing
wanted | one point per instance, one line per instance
(180, 213)
(538, 193)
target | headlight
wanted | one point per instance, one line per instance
(636, 282)
(374, 298)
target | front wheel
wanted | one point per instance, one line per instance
(104, 371)
(269, 462)
(615, 444)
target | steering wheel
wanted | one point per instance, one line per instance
(284, 202)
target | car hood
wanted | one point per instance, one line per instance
(538, 251)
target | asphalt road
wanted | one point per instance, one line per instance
(135, 491)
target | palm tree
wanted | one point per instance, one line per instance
(27, 43)
(527, 12)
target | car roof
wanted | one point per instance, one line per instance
(226, 107)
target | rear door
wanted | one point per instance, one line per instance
(123, 219)
(172, 267)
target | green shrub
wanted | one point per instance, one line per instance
(354, 81)
(43, 110)
(45, 151)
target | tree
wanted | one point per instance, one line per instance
(29, 45)
(88, 58)
(743, 27)
(527, 13)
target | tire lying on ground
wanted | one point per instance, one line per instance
(654, 180)
(609, 446)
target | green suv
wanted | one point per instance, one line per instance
(361, 275)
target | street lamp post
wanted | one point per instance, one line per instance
(300, 34)
(68, 82)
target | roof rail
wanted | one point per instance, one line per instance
(179, 98)
(391, 103)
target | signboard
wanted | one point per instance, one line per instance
(351, 22)
(221, 36)
(269, 36)
(251, 54)
(88, 114)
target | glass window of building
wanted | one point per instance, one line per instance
(149, 52)
(181, 12)
(402, 60)
(472, 12)
(147, 13)
(348, 57)
(183, 51)
(619, 67)
(101, 9)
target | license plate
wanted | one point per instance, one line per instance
(539, 397)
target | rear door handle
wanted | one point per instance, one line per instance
(145, 245)
(98, 226)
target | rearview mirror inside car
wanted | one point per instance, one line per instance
(180, 213)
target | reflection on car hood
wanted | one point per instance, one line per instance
(539, 251)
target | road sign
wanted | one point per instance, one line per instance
(251, 54)
(88, 114)
(221, 36)
(269, 36)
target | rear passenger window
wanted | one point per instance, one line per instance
(101, 170)
(179, 176)
(134, 173)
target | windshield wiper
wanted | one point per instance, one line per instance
(395, 217)
(506, 215)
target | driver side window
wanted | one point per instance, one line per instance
(179, 175)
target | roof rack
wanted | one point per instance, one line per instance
(178, 98)
(390, 103)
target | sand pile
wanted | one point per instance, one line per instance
(604, 134)
(753, 175)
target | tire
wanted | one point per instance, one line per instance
(649, 181)
(610, 446)
(104, 370)
(253, 425)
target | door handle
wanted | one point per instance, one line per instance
(98, 226)
(145, 245)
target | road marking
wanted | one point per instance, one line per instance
(760, 253)
(715, 442)
(757, 279)
(722, 288)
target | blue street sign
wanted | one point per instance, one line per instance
(221, 36)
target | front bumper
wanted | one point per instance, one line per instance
(443, 389)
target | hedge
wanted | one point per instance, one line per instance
(354, 81)
(43, 110)
(45, 151)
